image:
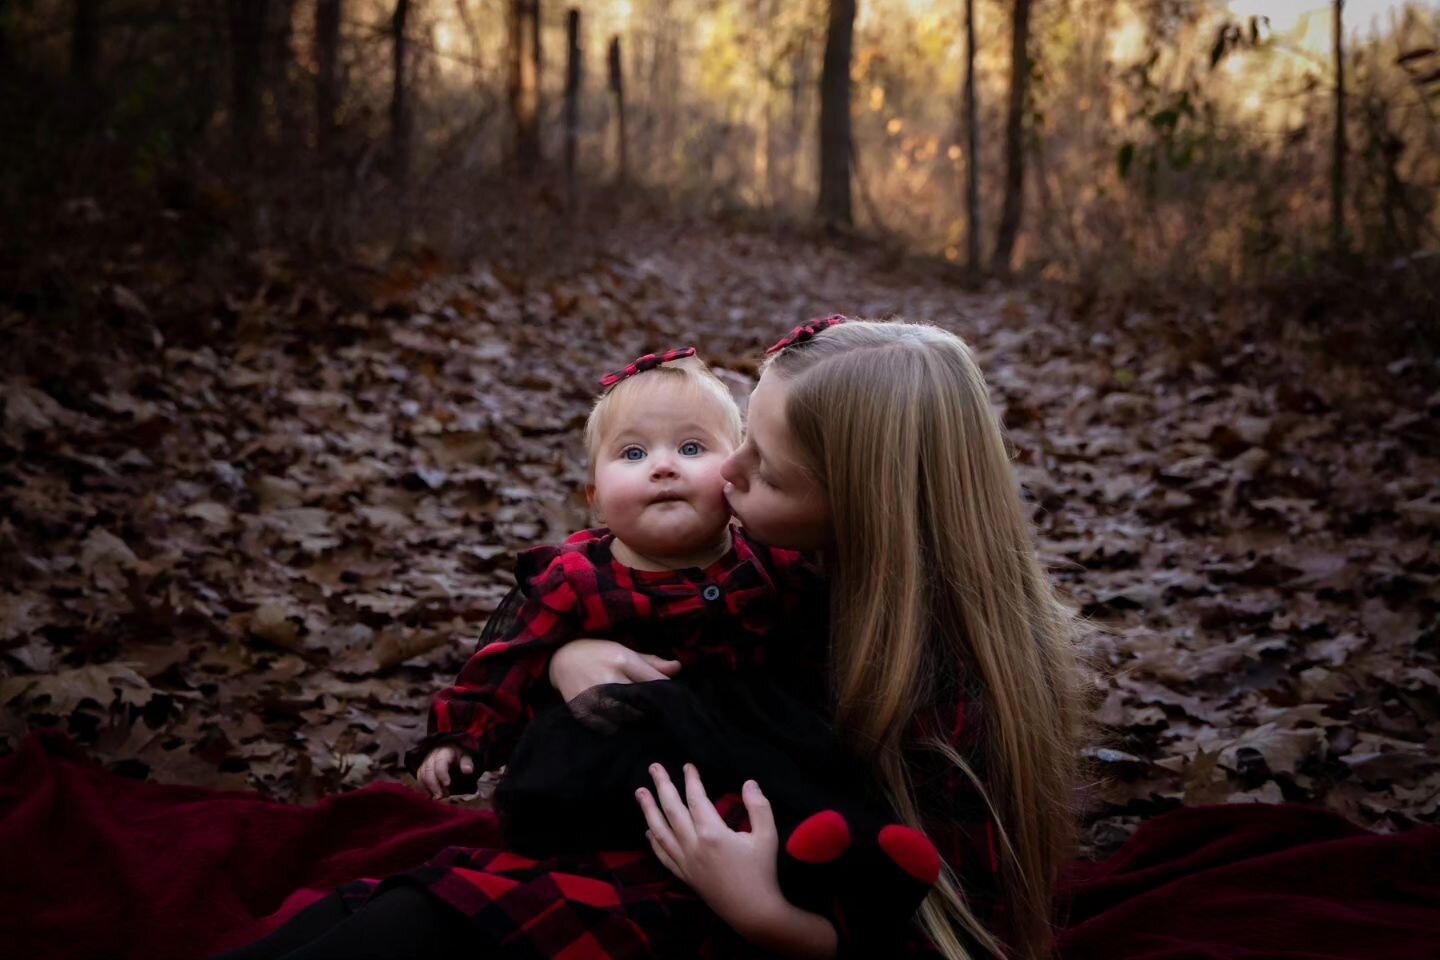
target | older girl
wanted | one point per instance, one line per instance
(952, 669)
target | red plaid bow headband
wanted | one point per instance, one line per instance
(807, 331)
(648, 362)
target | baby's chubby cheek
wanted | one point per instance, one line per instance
(717, 491)
(733, 501)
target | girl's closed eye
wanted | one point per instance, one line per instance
(632, 453)
(761, 475)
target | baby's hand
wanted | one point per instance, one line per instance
(434, 772)
(582, 664)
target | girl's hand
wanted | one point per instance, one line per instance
(434, 772)
(734, 873)
(582, 664)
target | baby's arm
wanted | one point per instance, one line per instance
(586, 663)
(483, 713)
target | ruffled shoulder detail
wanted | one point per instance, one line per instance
(538, 569)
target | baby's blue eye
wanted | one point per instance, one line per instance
(690, 448)
(633, 453)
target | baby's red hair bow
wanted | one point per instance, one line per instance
(648, 362)
(807, 331)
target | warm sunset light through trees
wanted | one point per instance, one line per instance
(1157, 139)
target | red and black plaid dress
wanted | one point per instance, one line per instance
(755, 606)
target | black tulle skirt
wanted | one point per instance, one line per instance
(570, 785)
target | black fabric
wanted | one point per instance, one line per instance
(571, 782)
(501, 623)
(399, 923)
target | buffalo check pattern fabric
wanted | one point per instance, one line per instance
(610, 904)
(807, 331)
(754, 607)
(648, 362)
(615, 904)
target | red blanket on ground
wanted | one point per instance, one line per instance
(95, 865)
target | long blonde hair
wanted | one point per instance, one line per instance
(933, 576)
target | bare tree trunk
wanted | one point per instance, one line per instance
(572, 99)
(835, 144)
(399, 96)
(1337, 166)
(760, 104)
(617, 88)
(525, 60)
(247, 70)
(799, 104)
(972, 148)
(328, 14)
(204, 67)
(1014, 140)
(85, 47)
(281, 86)
(327, 76)
(669, 73)
(462, 8)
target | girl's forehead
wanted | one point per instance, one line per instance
(767, 406)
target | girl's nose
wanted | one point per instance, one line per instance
(730, 471)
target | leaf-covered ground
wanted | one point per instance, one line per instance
(245, 535)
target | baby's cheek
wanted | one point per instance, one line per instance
(713, 479)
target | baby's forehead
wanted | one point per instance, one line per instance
(686, 413)
(666, 404)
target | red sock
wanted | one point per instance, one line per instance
(809, 862)
(821, 838)
(912, 852)
(888, 880)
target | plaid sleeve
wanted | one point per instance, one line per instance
(504, 683)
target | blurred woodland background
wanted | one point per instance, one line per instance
(302, 304)
(1107, 142)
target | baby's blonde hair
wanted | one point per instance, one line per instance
(689, 374)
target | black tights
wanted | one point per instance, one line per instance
(400, 922)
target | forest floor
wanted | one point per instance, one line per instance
(243, 549)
